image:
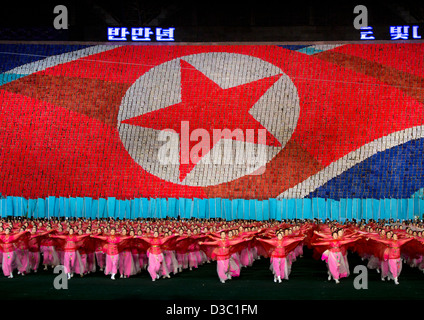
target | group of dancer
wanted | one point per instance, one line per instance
(165, 247)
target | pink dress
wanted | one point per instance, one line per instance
(155, 255)
(47, 248)
(100, 254)
(126, 261)
(112, 252)
(9, 254)
(222, 252)
(70, 257)
(278, 250)
(22, 255)
(335, 256)
(34, 249)
(392, 255)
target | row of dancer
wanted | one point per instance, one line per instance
(166, 247)
(161, 248)
(384, 247)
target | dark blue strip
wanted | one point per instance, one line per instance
(15, 55)
(294, 47)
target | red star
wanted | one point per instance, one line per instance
(205, 105)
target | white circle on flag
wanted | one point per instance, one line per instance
(277, 111)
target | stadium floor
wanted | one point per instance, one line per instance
(308, 281)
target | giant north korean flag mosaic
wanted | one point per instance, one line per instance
(338, 121)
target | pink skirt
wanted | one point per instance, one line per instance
(246, 257)
(194, 259)
(71, 261)
(337, 264)
(170, 261)
(8, 262)
(22, 260)
(279, 267)
(395, 267)
(126, 264)
(112, 264)
(101, 259)
(34, 260)
(182, 259)
(81, 263)
(155, 265)
(235, 265)
(50, 256)
(226, 268)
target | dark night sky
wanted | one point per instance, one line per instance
(89, 17)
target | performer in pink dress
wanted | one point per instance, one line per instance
(415, 251)
(334, 255)
(22, 254)
(99, 251)
(126, 262)
(8, 239)
(135, 253)
(364, 250)
(247, 255)
(112, 251)
(392, 254)
(277, 249)
(193, 250)
(81, 266)
(222, 250)
(70, 250)
(378, 249)
(34, 247)
(59, 244)
(170, 263)
(155, 254)
(235, 270)
(141, 248)
(48, 250)
(90, 246)
(181, 249)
